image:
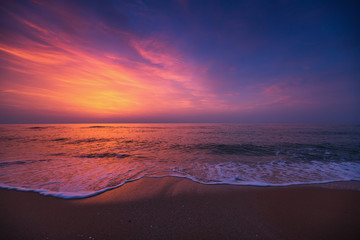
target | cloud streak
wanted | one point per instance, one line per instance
(58, 72)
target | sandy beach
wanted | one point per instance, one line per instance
(176, 208)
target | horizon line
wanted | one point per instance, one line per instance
(308, 122)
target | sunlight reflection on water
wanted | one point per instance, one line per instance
(72, 160)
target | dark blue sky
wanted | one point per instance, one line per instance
(180, 61)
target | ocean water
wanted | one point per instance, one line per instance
(80, 160)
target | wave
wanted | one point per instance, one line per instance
(104, 155)
(236, 149)
(38, 128)
(5, 164)
(106, 126)
(99, 126)
(5, 139)
(276, 173)
(89, 140)
(12, 163)
(87, 194)
(88, 161)
(292, 151)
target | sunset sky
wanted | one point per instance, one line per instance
(179, 61)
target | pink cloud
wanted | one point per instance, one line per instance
(63, 73)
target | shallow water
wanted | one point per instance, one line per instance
(79, 160)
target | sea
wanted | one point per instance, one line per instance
(82, 160)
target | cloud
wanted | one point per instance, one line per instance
(137, 59)
(50, 68)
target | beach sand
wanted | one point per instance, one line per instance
(176, 208)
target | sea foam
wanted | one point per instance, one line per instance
(76, 161)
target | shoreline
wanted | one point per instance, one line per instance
(178, 208)
(340, 184)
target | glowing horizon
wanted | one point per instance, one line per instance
(79, 63)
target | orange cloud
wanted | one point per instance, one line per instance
(58, 73)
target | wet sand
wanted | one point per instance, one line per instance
(176, 208)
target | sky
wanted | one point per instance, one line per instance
(179, 61)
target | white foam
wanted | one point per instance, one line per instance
(83, 166)
(270, 174)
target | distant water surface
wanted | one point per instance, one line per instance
(79, 160)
